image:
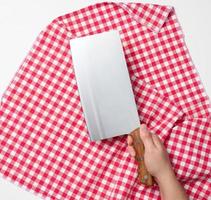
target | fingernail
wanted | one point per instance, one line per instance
(143, 127)
(133, 153)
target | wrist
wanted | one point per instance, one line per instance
(166, 177)
(170, 188)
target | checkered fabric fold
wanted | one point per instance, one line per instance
(44, 141)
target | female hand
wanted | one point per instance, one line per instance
(158, 165)
(156, 158)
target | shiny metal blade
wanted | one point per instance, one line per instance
(104, 85)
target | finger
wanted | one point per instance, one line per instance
(129, 140)
(131, 151)
(146, 137)
(156, 140)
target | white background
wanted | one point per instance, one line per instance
(21, 21)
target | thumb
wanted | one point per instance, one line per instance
(146, 137)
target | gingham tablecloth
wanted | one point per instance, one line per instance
(44, 141)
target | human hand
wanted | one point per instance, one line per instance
(155, 157)
(158, 165)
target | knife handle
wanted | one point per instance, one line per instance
(143, 175)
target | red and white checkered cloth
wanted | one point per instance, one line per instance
(44, 142)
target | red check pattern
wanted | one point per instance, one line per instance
(44, 141)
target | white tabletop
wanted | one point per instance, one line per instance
(21, 21)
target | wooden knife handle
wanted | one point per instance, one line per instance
(143, 175)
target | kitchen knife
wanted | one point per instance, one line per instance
(106, 93)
